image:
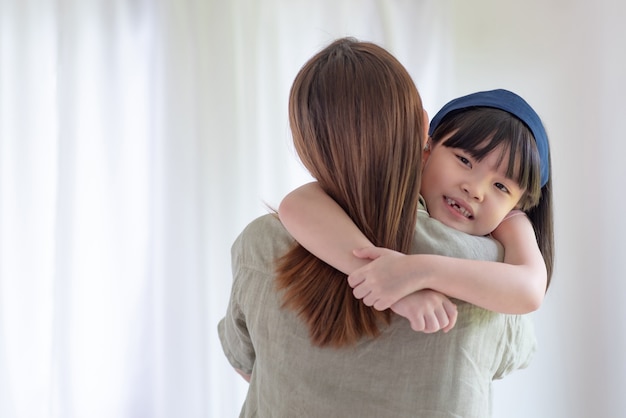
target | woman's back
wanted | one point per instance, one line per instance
(400, 373)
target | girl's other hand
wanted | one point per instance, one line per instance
(427, 311)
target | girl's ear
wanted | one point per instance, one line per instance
(425, 138)
(426, 150)
(425, 124)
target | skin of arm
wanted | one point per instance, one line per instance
(516, 286)
(245, 376)
(314, 219)
(321, 226)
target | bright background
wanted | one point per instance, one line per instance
(138, 137)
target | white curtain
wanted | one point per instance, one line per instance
(138, 137)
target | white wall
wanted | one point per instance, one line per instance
(569, 60)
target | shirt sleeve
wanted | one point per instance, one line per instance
(233, 329)
(520, 345)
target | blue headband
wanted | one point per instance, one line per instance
(509, 102)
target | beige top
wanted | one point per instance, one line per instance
(402, 373)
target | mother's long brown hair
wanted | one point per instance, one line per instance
(356, 120)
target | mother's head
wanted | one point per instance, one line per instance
(358, 126)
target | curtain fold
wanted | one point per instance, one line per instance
(28, 176)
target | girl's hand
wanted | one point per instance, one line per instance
(389, 277)
(427, 311)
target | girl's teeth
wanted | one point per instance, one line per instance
(462, 210)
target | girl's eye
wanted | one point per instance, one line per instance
(502, 187)
(464, 160)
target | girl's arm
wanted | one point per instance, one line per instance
(515, 286)
(321, 226)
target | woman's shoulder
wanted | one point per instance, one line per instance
(433, 237)
(261, 242)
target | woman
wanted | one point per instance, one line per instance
(305, 344)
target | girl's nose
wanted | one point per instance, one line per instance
(474, 191)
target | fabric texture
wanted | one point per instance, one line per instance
(401, 374)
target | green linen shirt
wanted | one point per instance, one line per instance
(402, 373)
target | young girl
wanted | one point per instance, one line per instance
(487, 165)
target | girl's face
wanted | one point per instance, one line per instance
(466, 194)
